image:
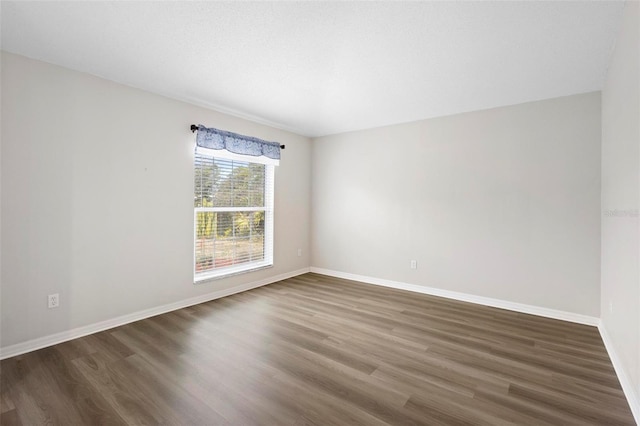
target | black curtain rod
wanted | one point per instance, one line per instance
(194, 128)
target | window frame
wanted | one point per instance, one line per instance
(269, 195)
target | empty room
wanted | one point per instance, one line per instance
(320, 213)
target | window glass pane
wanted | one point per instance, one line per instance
(224, 225)
(206, 174)
(243, 250)
(224, 252)
(241, 197)
(205, 227)
(257, 223)
(256, 185)
(257, 247)
(235, 183)
(228, 238)
(242, 224)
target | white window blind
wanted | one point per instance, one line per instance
(233, 215)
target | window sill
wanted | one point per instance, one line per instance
(229, 272)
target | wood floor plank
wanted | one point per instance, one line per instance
(6, 404)
(314, 350)
(10, 418)
(542, 414)
(121, 392)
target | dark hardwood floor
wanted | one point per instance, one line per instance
(314, 350)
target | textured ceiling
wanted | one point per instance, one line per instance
(318, 68)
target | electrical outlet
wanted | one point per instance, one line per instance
(54, 300)
(414, 264)
(299, 252)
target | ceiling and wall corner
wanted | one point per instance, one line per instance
(319, 68)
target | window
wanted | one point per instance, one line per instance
(233, 215)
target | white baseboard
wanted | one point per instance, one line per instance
(623, 377)
(54, 339)
(480, 300)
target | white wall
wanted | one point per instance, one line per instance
(502, 203)
(621, 193)
(97, 199)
